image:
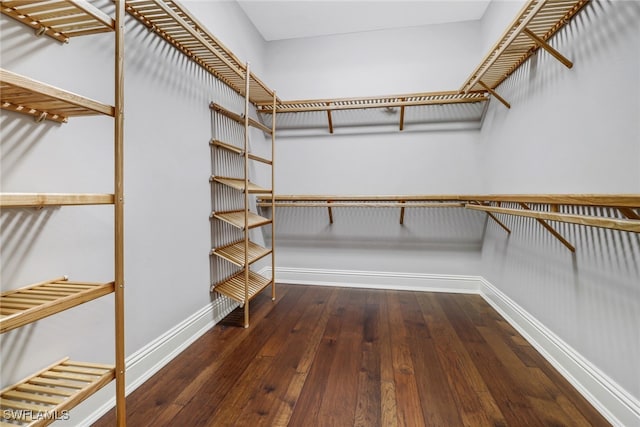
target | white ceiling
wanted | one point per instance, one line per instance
(287, 19)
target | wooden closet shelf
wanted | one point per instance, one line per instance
(388, 101)
(541, 18)
(235, 253)
(239, 118)
(239, 151)
(17, 200)
(59, 19)
(28, 96)
(234, 287)
(363, 204)
(608, 200)
(29, 304)
(180, 29)
(239, 184)
(39, 399)
(236, 218)
(594, 221)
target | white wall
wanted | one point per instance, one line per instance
(386, 62)
(168, 126)
(573, 131)
(371, 160)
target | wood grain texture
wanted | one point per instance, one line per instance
(325, 356)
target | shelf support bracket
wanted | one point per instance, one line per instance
(550, 229)
(494, 93)
(329, 119)
(402, 122)
(330, 212)
(495, 218)
(546, 46)
(629, 213)
(402, 209)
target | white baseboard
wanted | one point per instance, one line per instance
(607, 396)
(378, 280)
(613, 402)
(151, 358)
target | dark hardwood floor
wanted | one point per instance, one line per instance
(321, 356)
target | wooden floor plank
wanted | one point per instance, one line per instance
(323, 356)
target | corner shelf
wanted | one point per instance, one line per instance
(26, 305)
(239, 118)
(239, 151)
(239, 184)
(44, 397)
(27, 96)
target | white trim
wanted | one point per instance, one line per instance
(608, 397)
(377, 280)
(147, 361)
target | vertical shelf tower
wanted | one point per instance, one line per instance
(242, 284)
(42, 397)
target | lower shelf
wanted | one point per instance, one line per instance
(31, 303)
(48, 395)
(234, 287)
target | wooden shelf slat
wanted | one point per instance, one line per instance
(239, 118)
(40, 403)
(179, 28)
(234, 253)
(239, 151)
(387, 101)
(24, 95)
(236, 219)
(238, 184)
(543, 17)
(609, 200)
(15, 200)
(234, 287)
(60, 20)
(26, 305)
(612, 223)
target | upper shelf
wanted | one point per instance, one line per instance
(536, 23)
(58, 19)
(173, 23)
(387, 101)
(28, 96)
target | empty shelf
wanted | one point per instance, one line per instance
(29, 304)
(541, 18)
(234, 287)
(59, 19)
(27, 96)
(236, 219)
(180, 29)
(17, 200)
(238, 184)
(239, 118)
(235, 252)
(45, 396)
(238, 151)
